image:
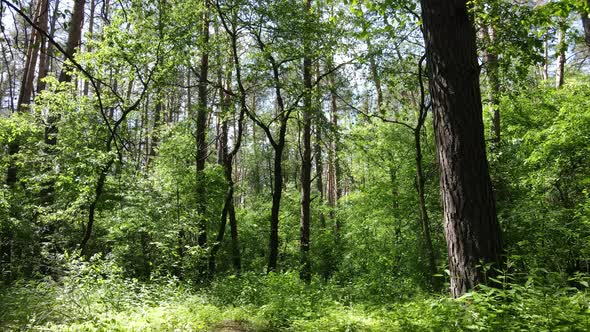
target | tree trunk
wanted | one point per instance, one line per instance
(74, 35)
(201, 134)
(92, 207)
(561, 49)
(471, 226)
(51, 130)
(90, 32)
(276, 205)
(226, 160)
(44, 47)
(586, 25)
(319, 167)
(26, 92)
(155, 134)
(491, 61)
(334, 189)
(304, 223)
(545, 68)
(424, 220)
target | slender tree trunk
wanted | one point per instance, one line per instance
(44, 47)
(74, 35)
(92, 207)
(275, 209)
(545, 68)
(155, 134)
(51, 130)
(471, 225)
(491, 60)
(226, 160)
(334, 171)
(201, 134)
(305, 216)
(375, 76)
(586, 25)
(319, 167)
(424, 220)
(561, 49)
(90, 32)
(26, 91)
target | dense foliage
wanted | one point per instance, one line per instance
(111, 224)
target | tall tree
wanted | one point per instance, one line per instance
(586, 23)
(305, 216)
(74, 36)
(492, 67)
(228, 155)
(201, 131)
(561, 49)
(470, 222)
(36, 49)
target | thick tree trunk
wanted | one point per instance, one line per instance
(471, 226)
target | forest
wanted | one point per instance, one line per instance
(295, 165)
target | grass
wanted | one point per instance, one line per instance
(95, 297)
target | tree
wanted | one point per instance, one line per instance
(586, 24)
(306, 155)
(201, 132)
(470, 221)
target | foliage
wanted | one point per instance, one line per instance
(93, 295)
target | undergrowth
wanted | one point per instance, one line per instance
(94, 296)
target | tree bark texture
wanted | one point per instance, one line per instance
(470, 222)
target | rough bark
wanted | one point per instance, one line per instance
(470, 222)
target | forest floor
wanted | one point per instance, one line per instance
(91, 300)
